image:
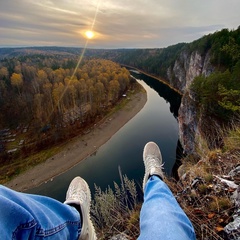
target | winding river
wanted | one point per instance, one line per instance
(157, 121)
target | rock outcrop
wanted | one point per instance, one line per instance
(188, 66)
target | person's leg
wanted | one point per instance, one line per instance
(27, 216)
(161, 216)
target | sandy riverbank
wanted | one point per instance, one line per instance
(79, 148)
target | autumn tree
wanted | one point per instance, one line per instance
(39, 112)
(17, 81)
(100, 94)
(4, 74)
(113, 93)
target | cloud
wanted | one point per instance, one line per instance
(122, 23)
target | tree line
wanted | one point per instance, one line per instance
(45, 91)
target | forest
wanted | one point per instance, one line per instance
(218, 95)
(46, 97)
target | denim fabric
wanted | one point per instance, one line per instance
(161, 216)
(27, 216)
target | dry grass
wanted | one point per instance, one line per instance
(207, 202)
(116, 211)
(232, 140)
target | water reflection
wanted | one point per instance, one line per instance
(164, 91)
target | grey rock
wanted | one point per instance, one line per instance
(120, 236)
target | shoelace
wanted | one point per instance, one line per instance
(153, 161)
(77, 193)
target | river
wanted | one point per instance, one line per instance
(157, 121)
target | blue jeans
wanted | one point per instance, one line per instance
(27, 216)
(161, 216)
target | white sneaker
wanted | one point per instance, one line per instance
(79, 194)
(152, 159)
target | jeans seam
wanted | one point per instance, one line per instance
(26, 225)
(41, 232)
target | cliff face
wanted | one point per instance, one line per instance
(185, 69)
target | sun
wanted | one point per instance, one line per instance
(89, 34)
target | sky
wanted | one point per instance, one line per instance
(114, 23)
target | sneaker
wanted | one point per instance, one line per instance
(152, 159)
(79, 194)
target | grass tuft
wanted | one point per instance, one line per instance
(116, 211)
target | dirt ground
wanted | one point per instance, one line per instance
(79, 148)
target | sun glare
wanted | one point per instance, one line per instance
(89, 34)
